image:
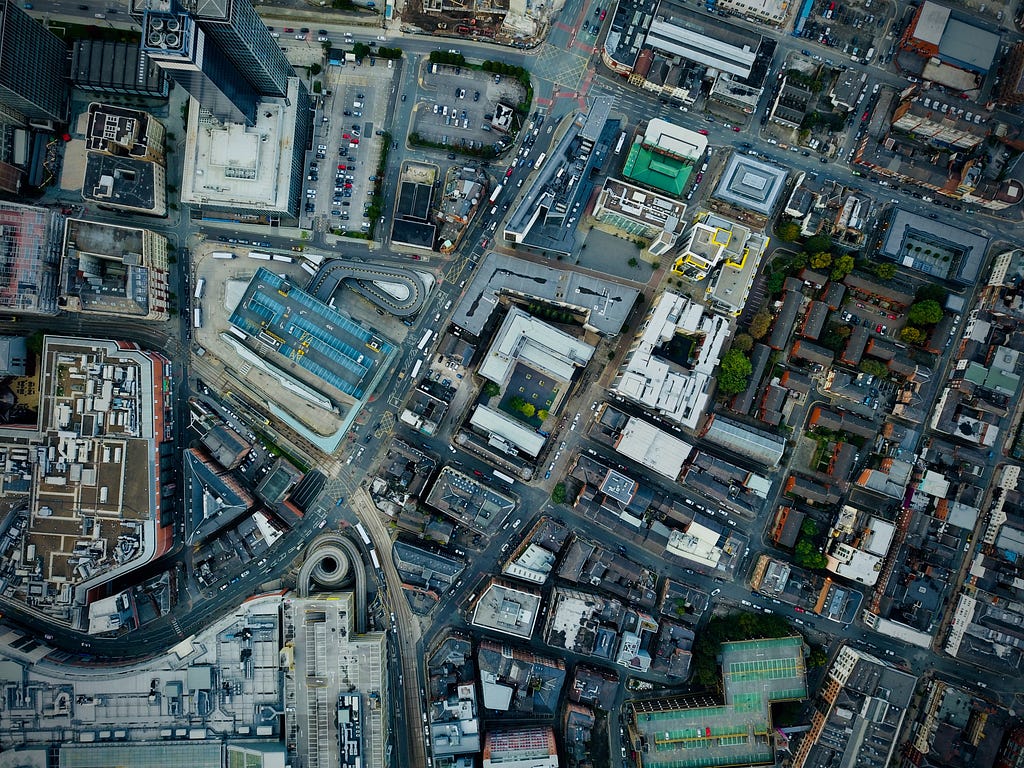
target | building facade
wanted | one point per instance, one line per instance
(32, 86)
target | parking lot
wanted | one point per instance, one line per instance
(459, 105)
(848, 26)
(346, 146)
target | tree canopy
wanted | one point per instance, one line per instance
(788, 231)
(885, 271)
(927, 312)
(760, 324)
(734, 372)
(842, 266)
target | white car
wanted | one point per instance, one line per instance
(715, 592)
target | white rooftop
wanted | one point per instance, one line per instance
(496, 423)
(539, 345)
(250, 167)
(675, 139)
(653, 448)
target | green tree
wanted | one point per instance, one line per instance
(775, 282)
(821, 260)
(885, 270)
(558, 494)
(912, 335)
(874, 368)
(734, 372)
(315, 69)
(798, 262)
(760, 324)
(744, 342)
(817, 244)
(528, 410)
(927, 312)
(633, 262)
(788, 231)
(543, 414)
(842, 266)
(491, 389)
(362, 50)
(809, 527)
(817, 658)
(931, 292)
(516, 402)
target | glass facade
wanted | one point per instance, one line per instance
(32, 63)
(247, 43)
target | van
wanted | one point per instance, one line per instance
(444, 111)
(494, 210)
(357, 105)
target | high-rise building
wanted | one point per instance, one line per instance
(30, 249)
(220, 52)
(32, 68)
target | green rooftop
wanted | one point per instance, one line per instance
(756, 673)
(656, 170)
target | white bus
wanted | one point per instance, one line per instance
(618, 145)
(504, 478)
(362, 534)
(496, 192)
(313, 258)
(197, 318)
(285, 259)
(416, 368)
(238, 332)
(374, 560)
(222, 255)
(423, 342)
(540, 161)
(259, 256)
(200, 287)
(307, 267)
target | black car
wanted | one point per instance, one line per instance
(451, 155)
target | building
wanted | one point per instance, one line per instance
(683, 733)
(251, 172)
(213, 499)
(222, 54)
(680, 30)
(524, 345)
(506, 609)
(519, 681)
(126, 167)
(635, 212)
(653, 448)
(30, 253)
(938, 32)
(671, 363)
(860, 713)
(85, 478)
(746, 441)
(114, 271)
(32, 70)
(412, 222)
(664, 157)
(277, 319)
(521, 748)
(714, 241)
(1011, 90)
(858, 544)
(751, 184)
(546, 213)
(106, 66)
(941, 123)
(337, 684)
(603, 306)
(468, 501)
(13, 356)
(936, 248)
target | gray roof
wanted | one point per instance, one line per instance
(969, 45)
(752, 184)
(746, 441)
(783, 325)
(607, 303)
(966, 248)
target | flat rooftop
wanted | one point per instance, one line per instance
(469, 502)
(250, 167)
(653, 448)
(607, 304)
(291, 328)
(124, 182)
(934, 247)
(542, 347)
(703, 38)
(508, 610)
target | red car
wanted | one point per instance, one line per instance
(348, 186)
(341, 167)
(603, 14)
(416, 257)
(345, 136)
(702, 132)
(878, 328)
(736, 128)
(509, 172)
(798, 609)
(355, 141)
(700, 176)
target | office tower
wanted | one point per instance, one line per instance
(32, 69)
(220, 52)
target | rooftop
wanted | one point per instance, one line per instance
(290, 328)
(751, 184)
(653, 448)
(30, 253)
(507, 609)
(664, 157)
(540, 346)
(936, 248)
(605, 303)
(698, 37)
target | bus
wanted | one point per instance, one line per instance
(362, 534)
(621, 141)
(259, 256)
(504, 478)
(540, 161)
(200, 287)
(306, 266)
(314, 258)
(373, 559)
(222, 255)
(236, 331)
(197, 318)
(496, 192)
(423, 342)
(285, 259)
(416, 368)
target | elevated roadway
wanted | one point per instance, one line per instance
(329, 559)
(366, 279)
